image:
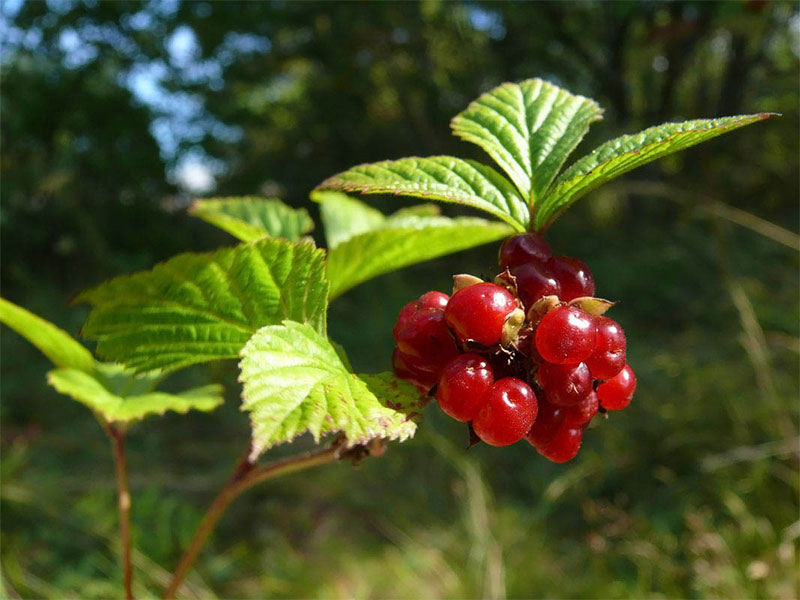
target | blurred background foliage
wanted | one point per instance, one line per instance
(116, 114)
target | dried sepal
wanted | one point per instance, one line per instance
(508, 281)
(541, 307)
(593, 306)
(462, 280)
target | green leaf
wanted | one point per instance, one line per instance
(405, 241)
(252, 218)
(55, 343)
(444, 178)
(364, 243)
(529, 129)
(201, 307)
(343, 216)
(120, 396)
(111, 390)
(622, 154)
(294, 382)
(418, 210)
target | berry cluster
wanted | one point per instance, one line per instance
(528, 356)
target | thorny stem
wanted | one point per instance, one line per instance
(117, 437)
(246, 475)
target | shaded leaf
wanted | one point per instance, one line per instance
(295, 382)
(529, 129)
(118, 396)
(444, 178)
(365, 244)
(344, 216)
(201, 307)
(418, 210)
(251, 218)
(627, 152)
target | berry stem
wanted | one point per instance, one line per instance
(117, 437)
(245, 475)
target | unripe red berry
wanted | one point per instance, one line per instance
(524, 248)
(508, 413)
(405, 369)
(426, 339)
(564, 444)
(533, 282)
(463, 385)
(478, 312)
(565, 335)
(566, 385)
(574, 277)
(548, 419)
(608, 356)
(616, 393)
(583, 412)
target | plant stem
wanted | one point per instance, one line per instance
(244, 476)
(124, 501)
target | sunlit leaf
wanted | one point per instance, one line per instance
(200, 307)
(295, 382)
(529, 129)
(443, 178)
(622, 154)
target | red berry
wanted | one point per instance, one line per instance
(434, 300)
(565, 335)
(533, 282)
(548, 419)
(616, 393)
(583, 412)
(608, 356)
(426, 339)
(427, 300)
(574, 277)
(564, 444)
(478, 312)
(408, 311)
(463, 386)
(523, 248)
(566, 385)
(508, 413)
(405, 369)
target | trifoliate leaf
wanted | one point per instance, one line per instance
(55, 343)
(201, 307)
(622, 154)
(295, 382)
(529, 129)
(443, 178)
(251, 218)
(117, 394)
